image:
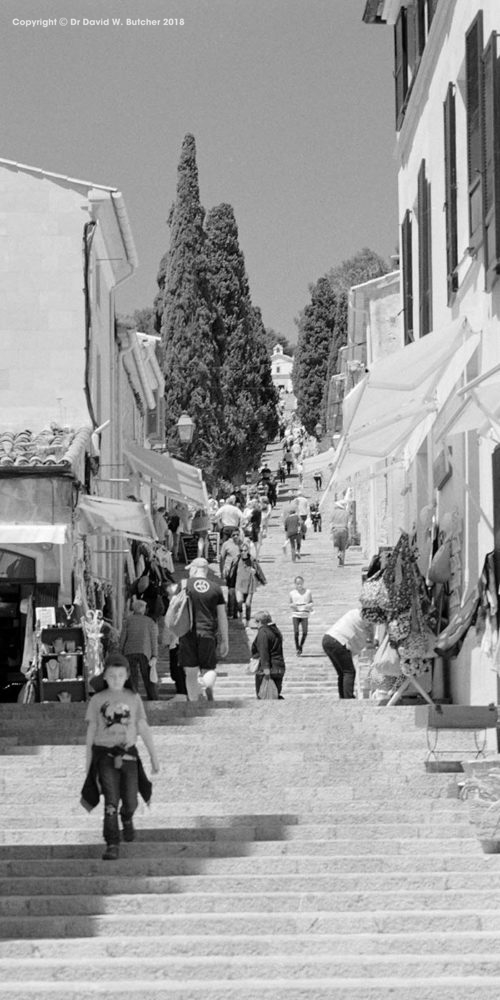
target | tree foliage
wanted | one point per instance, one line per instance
(249, 397)
(316, 330)
(323, 331)
(190, 327)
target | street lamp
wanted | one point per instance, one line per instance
(185, 428)
(318, 430)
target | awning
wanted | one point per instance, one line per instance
(152, 465)
(192, 485)
(392, 409)
(33, 534)
(108, 515)
(169, 475)
(479, 408)
(322, 462)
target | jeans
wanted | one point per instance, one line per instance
(139, 662)
(341, 658)
(297, 623)
(295, 543)
(117, 783)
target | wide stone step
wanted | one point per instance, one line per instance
(110, 884)
(215, 861)
(415, 943)
(418, 988)
(241, 967)
(242, 922)
(183, 900)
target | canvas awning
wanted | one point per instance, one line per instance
(159, 468)
(108, 515)
(479, 408)
(168, 474)
(322, 462)
(192, 485)
(391, 410)
(33, 534)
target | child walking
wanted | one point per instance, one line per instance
(301, 602)
(115, 718)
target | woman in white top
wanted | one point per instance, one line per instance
(301, 602)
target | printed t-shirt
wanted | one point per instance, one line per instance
(206, 597)
(116, 715)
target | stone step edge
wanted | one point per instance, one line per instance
(213, 988)
(104, 962)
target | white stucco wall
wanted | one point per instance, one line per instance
(422, 137)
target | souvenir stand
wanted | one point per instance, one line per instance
(60, 658)
(396, 597)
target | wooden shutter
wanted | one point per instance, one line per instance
(491, 165)
(431, 10)
(412, 53)
(424, 252)
(450, 205)
(420, 25)
(407, 265)
(400, 65)
(473, 73)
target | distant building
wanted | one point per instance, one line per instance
(281, 369)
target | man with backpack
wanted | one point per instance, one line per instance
(198, 645)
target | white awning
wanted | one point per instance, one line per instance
(191, 483)
(392, 409)
(33, 534)
(108, 515)
(322, 462)
(159, 468)
(479, 406)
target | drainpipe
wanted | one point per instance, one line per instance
(88, 236)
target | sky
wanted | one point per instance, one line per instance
(290, 101)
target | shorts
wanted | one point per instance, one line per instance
(198, 651)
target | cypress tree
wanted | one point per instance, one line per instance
(249, 398)
(310, 364)
(188, 322)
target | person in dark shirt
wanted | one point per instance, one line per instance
(198, 647)
(268, 648)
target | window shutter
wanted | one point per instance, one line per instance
(424, 252)
(413, 55)
(491, 152)
(473, 72)
(450, 170)
(431, 10)
(407, 264)
(400, 65)
(420, 25)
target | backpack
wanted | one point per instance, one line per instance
(179, 616)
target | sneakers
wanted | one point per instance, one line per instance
(128, 830)
(111, 853)
(299, 652)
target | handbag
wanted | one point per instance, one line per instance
(253, 666)
(386, 660)
(440, 567)
(459, 625)
(268, 690)
(153, 674)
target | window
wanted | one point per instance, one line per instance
(407, 264)
(491, 164)
(450, 205)
(424, 252)
(410, 37)
(400, 65)
(474, 86)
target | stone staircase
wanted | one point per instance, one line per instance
(294, 849)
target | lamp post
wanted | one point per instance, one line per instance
(318, 430)
(185, 428)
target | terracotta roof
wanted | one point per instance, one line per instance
(54, 445)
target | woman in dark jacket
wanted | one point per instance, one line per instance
(268, 648)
